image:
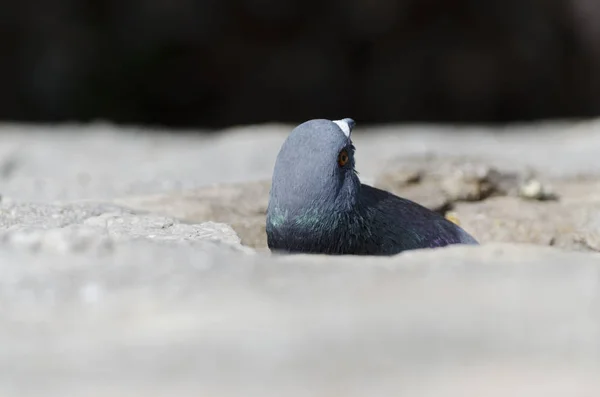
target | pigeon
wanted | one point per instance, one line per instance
(317, 204)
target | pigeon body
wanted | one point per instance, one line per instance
(317, 203)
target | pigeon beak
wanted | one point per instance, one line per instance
(346, 125)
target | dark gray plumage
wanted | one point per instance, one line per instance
(317, 203)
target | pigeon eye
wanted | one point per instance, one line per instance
(343, 158)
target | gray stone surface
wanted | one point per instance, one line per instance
(67, 228)
(135, 264)
(148, 320)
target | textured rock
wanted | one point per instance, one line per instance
(136, 282)
(93, 227)
(449, 179)
(486, 202)
(570, 222)
(243, 206)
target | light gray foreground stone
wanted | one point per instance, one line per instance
(151, 319)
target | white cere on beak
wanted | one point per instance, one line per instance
(343, 124)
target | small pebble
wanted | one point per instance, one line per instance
(452, 217)
(533, 190)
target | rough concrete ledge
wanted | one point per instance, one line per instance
(125, 269)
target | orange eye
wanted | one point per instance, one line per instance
(343, 158)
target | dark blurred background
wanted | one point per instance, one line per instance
(214, 63)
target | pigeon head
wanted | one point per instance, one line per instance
(314, 171)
